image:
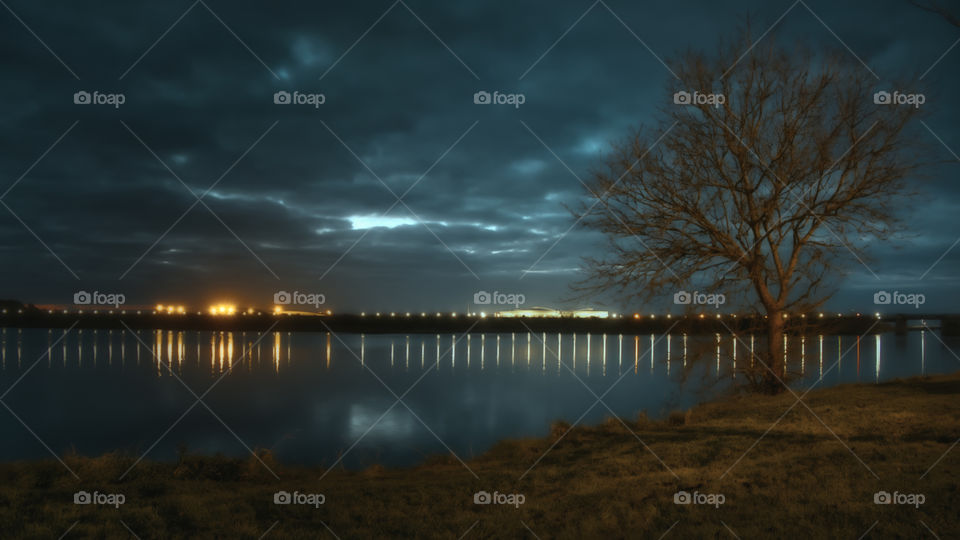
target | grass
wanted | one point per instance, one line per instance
(804, 478)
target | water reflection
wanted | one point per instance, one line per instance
(652, 343)
(543, 343)
(820, 374)
(177, 351)
(718, 355)
(528, 350)
(877, 369)
(280, 384)
(803, 354)
(277, 343)
(735, 340)
(923, 352)
(483, 346)
(669, 356)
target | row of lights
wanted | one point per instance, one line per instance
(734, 315)
(170, 310)
(228, 309)
(407, 314)
(612, 316)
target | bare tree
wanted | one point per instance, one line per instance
(772, 165)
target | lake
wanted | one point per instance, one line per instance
(390, 399)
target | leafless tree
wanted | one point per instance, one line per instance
(756, 197)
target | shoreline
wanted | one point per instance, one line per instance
(444, 323)
(814, 473)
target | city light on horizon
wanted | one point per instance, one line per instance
(223, 309)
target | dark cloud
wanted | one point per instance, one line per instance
(484, 196)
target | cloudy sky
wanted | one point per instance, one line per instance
(398, 191)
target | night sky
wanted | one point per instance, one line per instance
(303, 197)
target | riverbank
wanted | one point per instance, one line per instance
(813, 474)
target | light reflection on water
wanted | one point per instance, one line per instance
(226, 349)
(308, 396)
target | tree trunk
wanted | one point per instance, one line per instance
(775, 358)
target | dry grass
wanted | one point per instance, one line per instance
(596, 482)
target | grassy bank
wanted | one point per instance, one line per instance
(802, 479)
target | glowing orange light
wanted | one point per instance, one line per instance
(223, 309)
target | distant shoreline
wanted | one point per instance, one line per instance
(443, 323)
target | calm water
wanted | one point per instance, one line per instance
(312, 397)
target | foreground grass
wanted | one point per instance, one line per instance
(813, 474)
